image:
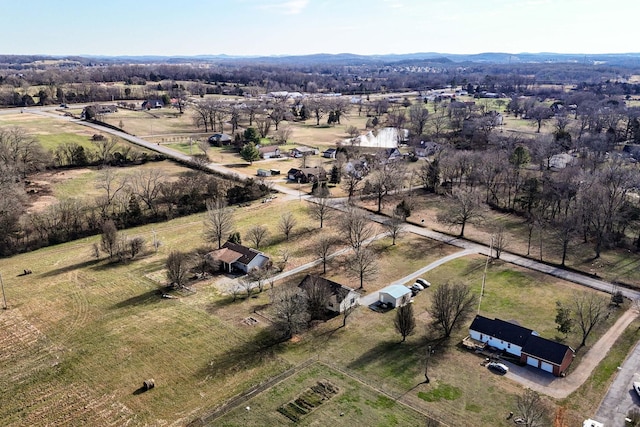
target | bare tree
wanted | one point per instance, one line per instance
(589, 310)
(286, 224)
(351, 183)
(499, 240)
(177, 266)
(257, 234)
(320, 209)
(109, 238)
(347, 312)
(112, 184)
(246, 283)
(317, 106)
(234, 290)
(105, 148)
(532, 409)
(385, 179)
(318, 295)
(289, 305)
(452, 304)
(418, 116)
(258, 276)
(363, 265)
(394, 226)
(218, 221)
(322, 249)
(146, 185)
(405, 321)
(356, 227)
(464, 209)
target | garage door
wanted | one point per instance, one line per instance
(546, 367)
(532, 361)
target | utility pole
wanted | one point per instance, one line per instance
(426, 367)
(4, 298)
(484, 275)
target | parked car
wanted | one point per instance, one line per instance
(423, 282)
(636, 387)
(498, 367)
(416, 287)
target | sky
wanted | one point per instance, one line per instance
(298, 27)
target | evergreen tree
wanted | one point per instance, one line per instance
(335, 175)
(249, 153)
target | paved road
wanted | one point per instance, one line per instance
(621, 398)
(371, 298)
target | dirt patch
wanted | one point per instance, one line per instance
(39, 187)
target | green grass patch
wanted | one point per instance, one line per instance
(442, 391)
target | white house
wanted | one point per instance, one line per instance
(396, 295)
(269, 151)
(232, 256)
(528, 345)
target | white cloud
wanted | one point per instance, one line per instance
(291, 7)
(394, 4)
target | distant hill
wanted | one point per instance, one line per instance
(622, 59)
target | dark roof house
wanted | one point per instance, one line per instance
(528, 345)
(306, 175)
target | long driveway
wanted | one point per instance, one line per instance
(556, 387)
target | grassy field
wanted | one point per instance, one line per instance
(355, 403)
(81, 336)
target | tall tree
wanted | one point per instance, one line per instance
(356, 227)
(385, 179)
(286, 224)
(394, 226)
(290, 310)
(257, 234)
(532, 409)
(109, 238)
(322, 247)
(418, 117)
(464, 209)
(452, 304)
(589, 310)
(218, 221)
(249, 153)
(405, 321)
(318, 295)
(177, 265)
(320, 209)
(363, 265)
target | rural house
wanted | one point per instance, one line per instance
(524, 343)
(219, 139)
(306, 175)
(152, 103)
(329, 153)
(341, 297)
(234, 257)
(269, 151)
(302, 152)
(395, 295)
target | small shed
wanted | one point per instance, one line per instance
(263, 172)
(395, 295)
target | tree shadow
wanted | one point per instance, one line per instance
(255, 351)
(153, 296)
(79, 266)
